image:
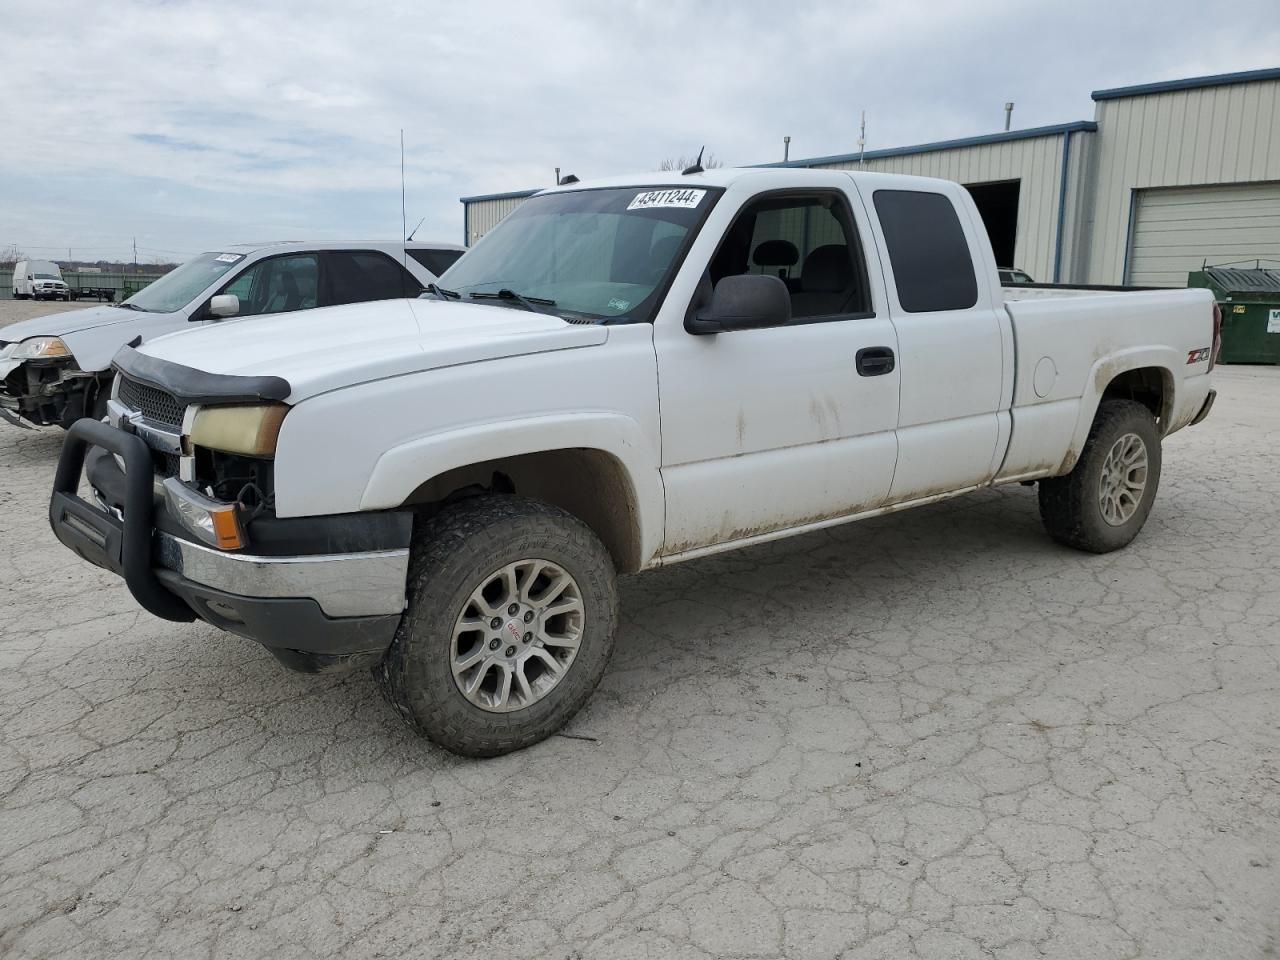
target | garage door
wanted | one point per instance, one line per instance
(1176, 230)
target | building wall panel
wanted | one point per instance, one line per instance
(1035, 162)
(1182, 138)
(484, 215)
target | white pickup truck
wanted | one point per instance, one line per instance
(621, 375)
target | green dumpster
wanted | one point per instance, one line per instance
(1250, 302)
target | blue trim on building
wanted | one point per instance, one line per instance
(1190, 83)
(513, 195)
(1087, 126)
(1003, 137)
(1062, 207)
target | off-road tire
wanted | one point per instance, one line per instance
(451, 553)
(1070, 506)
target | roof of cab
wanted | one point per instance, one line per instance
(277, 245)
(720, 177)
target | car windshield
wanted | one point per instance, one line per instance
(46, 276)
(180, 286)
(596, 253)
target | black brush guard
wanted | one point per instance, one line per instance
(122, 546)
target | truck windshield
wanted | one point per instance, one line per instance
(179, 287)
(596, 253)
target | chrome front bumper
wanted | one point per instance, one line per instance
(342, 584)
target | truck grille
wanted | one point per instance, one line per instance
(156, 405)
(164, 464)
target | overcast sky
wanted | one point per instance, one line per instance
(193, 125)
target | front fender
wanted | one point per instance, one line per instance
(403, 468)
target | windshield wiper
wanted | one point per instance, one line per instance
(441, 292)
(534, 304)
(132, 306)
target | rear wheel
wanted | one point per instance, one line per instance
(1104, 501)
(511, 617)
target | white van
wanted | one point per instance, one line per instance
(39, 280)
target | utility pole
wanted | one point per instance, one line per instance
(135, 254)
(786, 149)
(1008, 114)
(862, 138)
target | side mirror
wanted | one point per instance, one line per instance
(743, 302)
(224, 305)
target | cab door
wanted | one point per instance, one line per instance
(781, 427)
(955, 344)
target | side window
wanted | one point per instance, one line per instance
(242, 285)
(928, 250)
(437, 261)
(810, 243)
(360, 276)
(277, 285)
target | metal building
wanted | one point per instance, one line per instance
(1164, 178)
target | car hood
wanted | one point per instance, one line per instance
(66, 323)
(334, 347)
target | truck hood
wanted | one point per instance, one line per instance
(334, 347)
(66, 323)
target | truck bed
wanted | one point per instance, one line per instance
(1070, 347)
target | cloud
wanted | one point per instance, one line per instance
(194, 124)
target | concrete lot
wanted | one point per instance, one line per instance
(11, 311)
(932, 735)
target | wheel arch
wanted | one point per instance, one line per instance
(1145, 375)
(593, 468)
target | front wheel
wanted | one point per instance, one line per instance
(512, 610)
(1104, 501)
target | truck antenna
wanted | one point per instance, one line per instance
(697, 164)
(415, 229)
(404, 220)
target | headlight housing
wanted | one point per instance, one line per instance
(249, 430)
(41, 348)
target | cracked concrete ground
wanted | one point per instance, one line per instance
(934, 735)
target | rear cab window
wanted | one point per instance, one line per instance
(358, 276)
(932, 265)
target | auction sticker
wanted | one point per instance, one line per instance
(1273, 321)
(682, 199)
(228, 257)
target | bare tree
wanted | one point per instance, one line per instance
(709, 162)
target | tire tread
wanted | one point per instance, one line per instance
(1068, 505)
(438, 543)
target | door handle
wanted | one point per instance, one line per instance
(874, 361)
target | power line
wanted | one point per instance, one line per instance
(53, 246)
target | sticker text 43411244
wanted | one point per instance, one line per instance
(684, 199)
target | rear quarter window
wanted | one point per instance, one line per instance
(437, 261)
(932, 268)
